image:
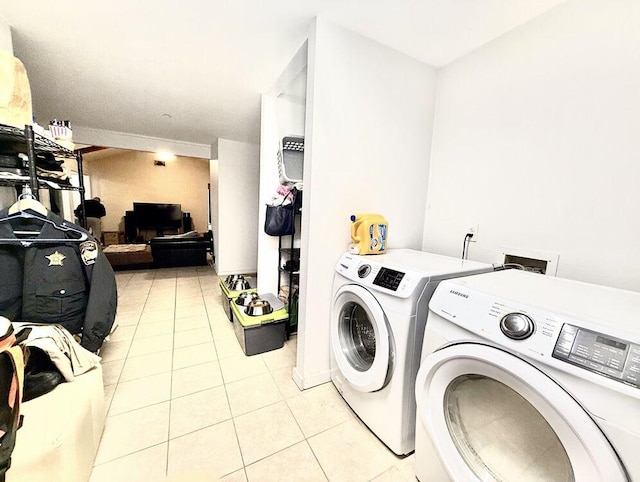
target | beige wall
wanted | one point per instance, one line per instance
(130, 176)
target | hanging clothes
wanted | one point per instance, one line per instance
(68, 283)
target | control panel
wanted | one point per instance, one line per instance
(388, 278)
(370, 273)
(609, 356)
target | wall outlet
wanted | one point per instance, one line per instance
(474, 229)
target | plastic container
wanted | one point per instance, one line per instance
(259, 334)
(291, 160)
(369, 234)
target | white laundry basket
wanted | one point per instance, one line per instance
(291, 160)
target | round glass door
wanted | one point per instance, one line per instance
(500, 435)
(360, 339)
(495, 417)
(357, 336)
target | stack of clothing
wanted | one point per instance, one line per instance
(12, 167)
(48, 167)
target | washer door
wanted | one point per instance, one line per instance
(495, 417)
(360, 339)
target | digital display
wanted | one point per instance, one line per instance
(612, 343)
(388, 278)
(390, 273)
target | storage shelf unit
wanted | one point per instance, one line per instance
(289, 277)
(14, 141)
(289, 253)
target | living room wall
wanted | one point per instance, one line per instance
(122, 177)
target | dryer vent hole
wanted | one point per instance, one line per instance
(529, 264)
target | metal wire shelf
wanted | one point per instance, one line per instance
(15, 139)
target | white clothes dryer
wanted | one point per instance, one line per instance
(528, 377)
(379, 310)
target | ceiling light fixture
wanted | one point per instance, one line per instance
(165, 156)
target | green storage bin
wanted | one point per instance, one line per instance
(259, 334)
(228, 296)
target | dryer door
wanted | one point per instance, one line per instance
(360, 339)
(495, 417)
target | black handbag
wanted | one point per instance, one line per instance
(280, 219)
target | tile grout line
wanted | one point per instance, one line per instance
(108, 408)
(126, 357)
(224, 384)
(233, 421)
(173, 338)
(226, 394)
(209, 306)
(127, 455)
(306, 439)
(313, 451)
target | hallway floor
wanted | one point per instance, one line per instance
(186, 404)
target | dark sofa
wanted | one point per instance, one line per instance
(189, 249)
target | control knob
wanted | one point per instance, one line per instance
(517, 326)
(364, 270)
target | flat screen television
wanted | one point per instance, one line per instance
(157, 216)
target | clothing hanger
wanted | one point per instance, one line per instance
(27, 201)
(38, 212)
(29, 241)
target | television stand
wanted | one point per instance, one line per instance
(176, 251)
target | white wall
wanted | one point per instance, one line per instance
(536, 138)
(368, 139)
(267, 245)
(123, 140)
(214, 196)
(6, 42)
(282, 113)
(237, 239)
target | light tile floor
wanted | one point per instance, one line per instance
(186, 404)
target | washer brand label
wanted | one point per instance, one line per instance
(457, 293)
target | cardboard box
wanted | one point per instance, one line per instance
(110, 237)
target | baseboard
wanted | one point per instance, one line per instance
(246, 272)
(312, 381)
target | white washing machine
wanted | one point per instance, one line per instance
(378, 314)
(527, 377)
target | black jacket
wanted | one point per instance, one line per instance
(69, 283)
(93, 208)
